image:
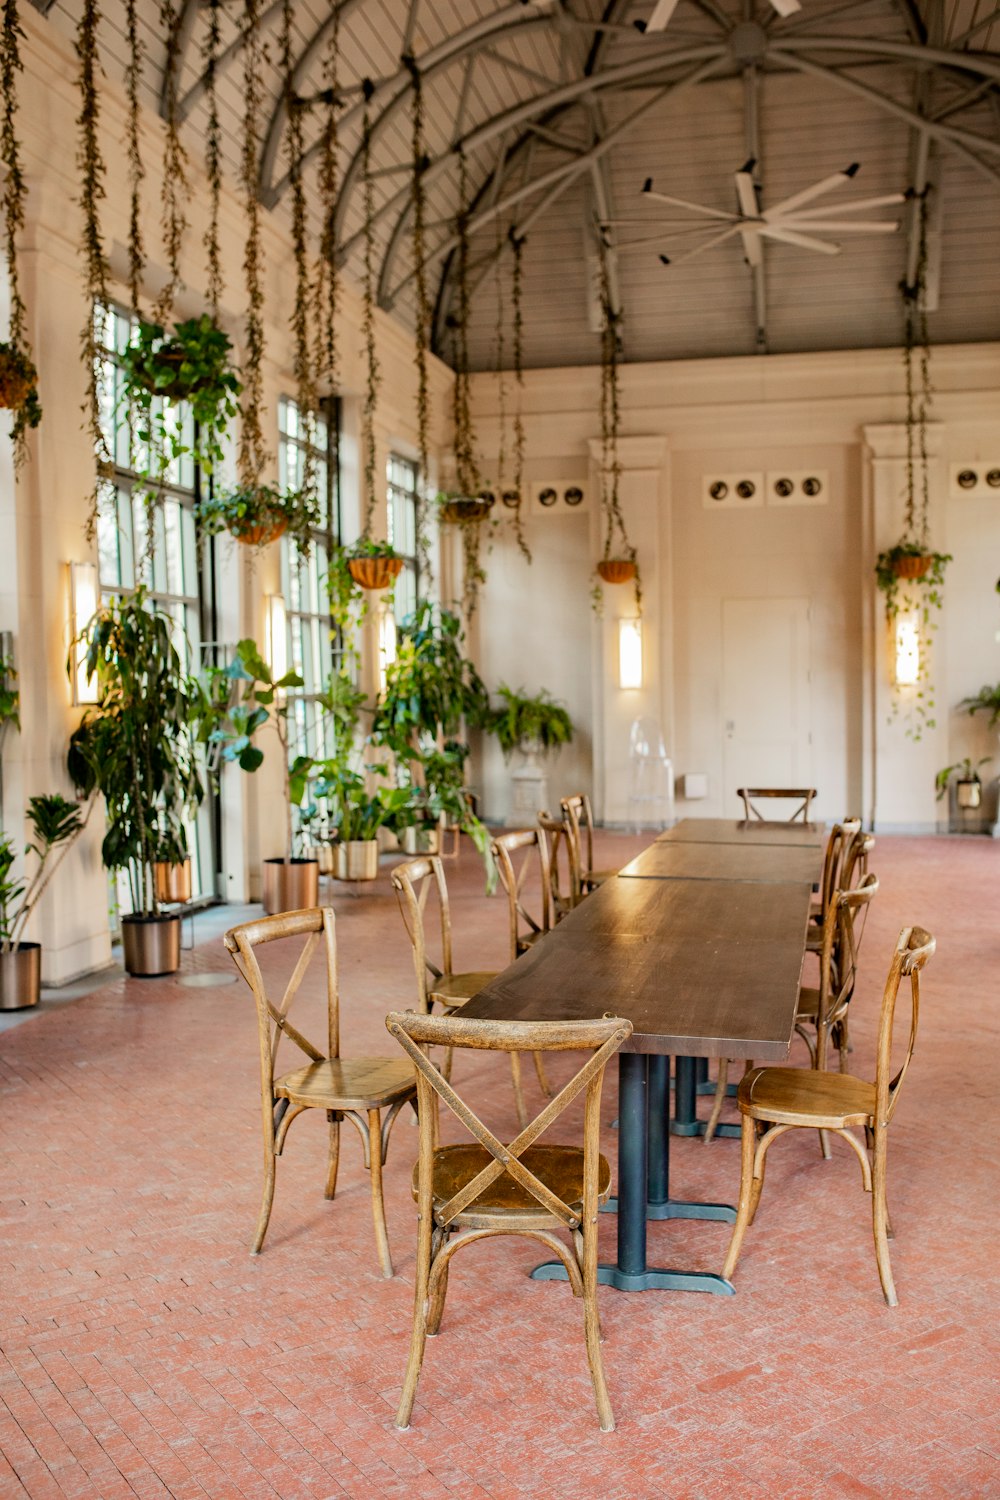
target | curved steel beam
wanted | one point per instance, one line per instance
(226, 56)
(987, 65)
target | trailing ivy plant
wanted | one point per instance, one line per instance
(259, 514)
(616, 547)
(90, 164)
(15, 355)
(191, 364)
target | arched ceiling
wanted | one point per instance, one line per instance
(563, 108)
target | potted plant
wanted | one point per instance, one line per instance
(617, 562)
(531, 725)
(357, 814)
(987, 700)
(258, 514)
(190, 364)
(968, 787)
(55, 824)
(456, 509)
(136, 747)
(19, 385)
(290, 883)
(373, 564)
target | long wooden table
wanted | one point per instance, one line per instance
(779, 864)
(744, 831)
(703, 968)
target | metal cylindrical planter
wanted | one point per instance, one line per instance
(20, 976)
(173, 882)
(323, 855)
(151, 945)
(356, 860)
(421, 840)
(969, 793)
(290, 887)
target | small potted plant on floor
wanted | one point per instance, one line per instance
(357, 814)
(55, 825)
(258, 514)
(968, 787)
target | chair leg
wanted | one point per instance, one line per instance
(757, 1187)
(418, 1338)
(378, 1205)
(744, 1211)
(266, 1202)
(436, 1307)
(592, 1330)
(880, 1219)
(721, 1084)
(515, 1073)
(334, 1159)
(543, 1082)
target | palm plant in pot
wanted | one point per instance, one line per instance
(533, 726)
(55, 826)
(136, 747)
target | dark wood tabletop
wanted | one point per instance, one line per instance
(702, 968)
(745, 833)
(768, 863)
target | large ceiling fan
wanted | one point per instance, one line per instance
(791, 222)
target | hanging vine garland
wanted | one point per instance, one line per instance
(423, 316)
(252, 450)
(96, 271)
(305, 382)
(136, 171)
(174, 185)
(18, 389)
(327, 277)
(213, 159)
(618, 558)
(517, 246)
(373, 373)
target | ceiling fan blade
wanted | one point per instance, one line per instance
(696, 208)
(699, 249)
(853, 208)
(753, 252)
(842, 226)
(747, 195)
(660, 18)
(825, 185)
(786, 7)
(803, 241)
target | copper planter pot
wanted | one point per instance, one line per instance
(173, 882)
(20, 976)
(616, 569)
(260, 533)
(356, 860)
(912, 565)
(290, 887)
(374, 572)
(151, 945)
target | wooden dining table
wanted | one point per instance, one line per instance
(704, 965)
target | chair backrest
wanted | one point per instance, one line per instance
(803, 795)
(843, 929)
(601, 1039)
(856, 857)
(914, 947)
(412, 883)
(579, 820)
(560, 838)
(316, 926)
(841, 837)
(515, 857)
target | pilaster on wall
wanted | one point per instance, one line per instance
(644, 496)
(898, 770)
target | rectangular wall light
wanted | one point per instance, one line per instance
(276, 635)
(907, 650)
(82, 607)
(630, 653)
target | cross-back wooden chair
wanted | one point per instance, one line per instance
(579, 819)
(773, 1101)
(563, 898)
(821, 1016)
(358, 1089)
(803, 795)
(490, 1187)
(840, 838)
(517, 854)
(440, 984)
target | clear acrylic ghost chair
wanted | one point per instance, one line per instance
(651, 776)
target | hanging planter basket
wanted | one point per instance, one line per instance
(616, 570)
(17, 378)
(169, 359)
(374, 572)
(461, 512)
(258, 533)
(912, 565)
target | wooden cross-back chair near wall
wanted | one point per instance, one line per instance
(773, 1101)
(488, 1187)
(821, 1015)
(579, 819)
(563, 898)
(802, 795)
(440, 984)
(517, 854)
(837, 844)
(358, 1089)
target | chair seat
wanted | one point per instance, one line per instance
(348, 1083)
(560, 1168)
(801, 1096)
(453, 990)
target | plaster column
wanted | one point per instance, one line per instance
(642, 488)
(898, 778)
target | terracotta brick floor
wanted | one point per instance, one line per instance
(144, 1353)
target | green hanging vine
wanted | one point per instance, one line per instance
(373, 375)
(517, 311)
(423, 316)
(253, 454)
(174, 185)
(96, 271)
(213, 159)
(618, 562)
(305, 381)
(18, 377)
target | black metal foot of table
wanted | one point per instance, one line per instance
(688, 1084)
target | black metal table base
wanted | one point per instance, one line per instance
(652, 1279)
(675, 1209)
(690, 1082)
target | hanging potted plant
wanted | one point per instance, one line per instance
(373, 565)
(191, 364)
(55, 824)
(617, 563)
(258, 514)
(457, 509)
(136, 747)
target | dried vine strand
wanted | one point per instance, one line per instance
(500, 350)
(305, 382)
(213, 159)
(174, 187)
(136, 171)
(614, 519)
(90, 164)
(252, 451)
(517, 312)
(466, 466)
(29, 413)
(373, 373)
(422, 319)
(917, 336)
(327, 276)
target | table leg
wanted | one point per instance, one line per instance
(687, 1087)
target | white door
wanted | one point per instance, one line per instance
(765, 696)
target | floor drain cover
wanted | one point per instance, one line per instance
(207, 981)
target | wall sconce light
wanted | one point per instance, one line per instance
(276, 635)
(907, 644)
(386, 645)
(82, 607)
(630, 653)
